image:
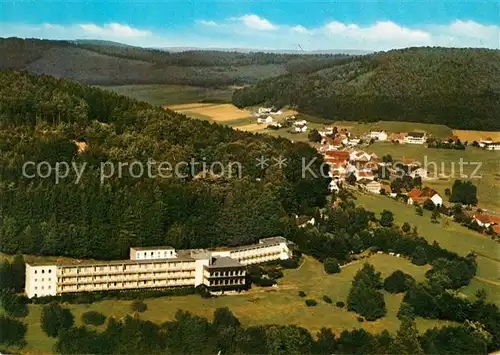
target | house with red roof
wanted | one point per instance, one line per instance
(421, 195)
(486, 220)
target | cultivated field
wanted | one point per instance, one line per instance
(446, 160)
(161, 95)
(280, 305)
(476, 135)
(216, 112)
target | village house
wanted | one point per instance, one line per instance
(420, 196)
(379, 135)
(486, 220)
(268, 119)
(492, 146)
(371, 186)
(326, 132)
(333, 186)
(397, 137)
(264, 110)
(332, 143)
(420, 172)
(415, 138)
(484, 141)
(300, 123)
(300, 129)
(387, 190)
(365, 174)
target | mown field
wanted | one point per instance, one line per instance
(447, 162)
(280, 305)
(451, 236)
(359, 128)
(476, 135)
(161, 95)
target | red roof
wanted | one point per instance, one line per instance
(415, 194)
(485, 218)
(365, 173)
(339, 154)
(496, 229)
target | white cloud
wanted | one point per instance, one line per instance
(207, 23)
(256, 22)
(300, 29)
(114, 30)
(384, 33)
(253, 31)
(50, 26)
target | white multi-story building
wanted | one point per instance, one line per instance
(415, 138)
(155, 267)
(378, 135)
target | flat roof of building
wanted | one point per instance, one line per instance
(224, 261)
(110, 262)
(181, 255)
(153, 248)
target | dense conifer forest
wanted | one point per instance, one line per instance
(45, 119)
(455, 87)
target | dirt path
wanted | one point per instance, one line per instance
(496, 283)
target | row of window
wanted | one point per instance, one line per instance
(158, 254)
(128, 284)
(125, 268)
(43, 279)
(43, 271)
(227, 282)
(227, 273)
(36, 287)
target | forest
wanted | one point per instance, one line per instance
(111, 64)
(43, 119)
(455, 87)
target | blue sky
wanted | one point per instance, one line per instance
(314, 25)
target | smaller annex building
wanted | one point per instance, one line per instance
(156, 267)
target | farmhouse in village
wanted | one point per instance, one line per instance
(420, 196)
(267, 119)
(415, 138)
(264, 110)
(486, 220)
(155, 267)
(379, 135)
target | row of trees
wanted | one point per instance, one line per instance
(190, 334)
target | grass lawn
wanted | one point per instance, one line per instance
(438, 131)
(297, 137)
(280, 305)
(161, 95)
(449, 235)
(446, 160)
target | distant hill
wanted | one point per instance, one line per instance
(100, 42)
(456, 87)
(282, 51)
(111, 63)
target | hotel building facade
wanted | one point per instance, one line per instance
(155, 267)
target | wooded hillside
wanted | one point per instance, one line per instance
(111, 64)
(456, 87)
(41, 119)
